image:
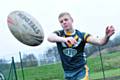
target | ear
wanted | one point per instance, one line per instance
(72, 19)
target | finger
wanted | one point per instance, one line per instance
(73, 41)
(68, 41)
(111, 33)
(107, 27)
(111, 26)
(112, 29)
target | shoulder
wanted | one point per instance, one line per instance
(59, 32)
(80, 33)
(84, 35)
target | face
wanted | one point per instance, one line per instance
(66, 22)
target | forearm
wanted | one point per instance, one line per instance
(103, 40)
(55, 38)
(98, 41)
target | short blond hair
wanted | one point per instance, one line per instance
(64, 13)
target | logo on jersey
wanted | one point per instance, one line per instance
(70, 52)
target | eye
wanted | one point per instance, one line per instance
(61, 21)
(65, 19)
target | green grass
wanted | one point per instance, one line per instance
(55, 71)
(47, 72)
(110, 61)
(108, 73)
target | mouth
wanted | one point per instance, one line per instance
(65, 25)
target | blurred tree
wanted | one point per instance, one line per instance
(29, 60)
(4, 64)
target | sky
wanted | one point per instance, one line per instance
(91, 16)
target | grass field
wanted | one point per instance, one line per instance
(108, 73)
(55, 72)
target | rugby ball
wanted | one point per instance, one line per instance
(25, 28)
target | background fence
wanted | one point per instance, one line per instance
(8, 70)
(49, 66)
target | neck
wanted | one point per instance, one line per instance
(69, 31)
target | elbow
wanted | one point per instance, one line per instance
(50, 39)
(102, 43)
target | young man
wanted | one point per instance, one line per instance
(70, 44)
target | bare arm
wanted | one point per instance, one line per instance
(55, 38)
(98, 41)
(102, 41)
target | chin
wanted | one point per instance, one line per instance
(66, 28)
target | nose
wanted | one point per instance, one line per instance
(64, 22)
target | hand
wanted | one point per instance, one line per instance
(70, 40)
(110, 30)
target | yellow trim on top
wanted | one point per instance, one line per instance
(87, 72)
(88, 39)
(85, 35)
(68, 33)
(70, 45)
(76, 37)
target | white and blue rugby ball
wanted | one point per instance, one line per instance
(25, 28)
